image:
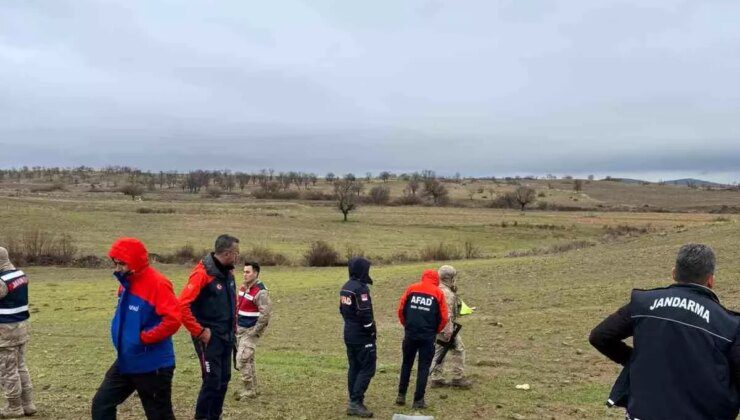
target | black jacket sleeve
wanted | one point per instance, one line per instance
(735, 360)
(608, 335)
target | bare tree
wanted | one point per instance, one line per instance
(345, 196)
(578, 185)
(385, 176)
(330, 177)
(413, 184)
(524, 196)
(436, 190)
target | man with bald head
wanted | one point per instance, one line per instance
(14, 377)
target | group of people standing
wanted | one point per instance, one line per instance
(427, 310)
(223, 323)
(684, 361)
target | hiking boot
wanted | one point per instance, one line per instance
(358, 410)
(419, 405)
(401, 399)
(13, 410)
(29, 408)
(462, 383)
(439, 383)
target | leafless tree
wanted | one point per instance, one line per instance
(345, 196)
(524, 196)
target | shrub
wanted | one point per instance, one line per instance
(57, 186)
(440, 252)
(352, 251)
(316, 196)
(380, 194)
(183, 255)
(90, 261)
(470, 250)
(147, 210)
(132, 190)
(214, 191)
(37, 247)
(320, 254)
(265, 256)
(504, 201)
(276, 195)
(553, 249)
(611, 232)
(408, 200)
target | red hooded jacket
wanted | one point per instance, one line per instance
(422, 309)
(150, 286)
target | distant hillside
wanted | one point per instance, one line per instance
(693, 181)
(626, 180)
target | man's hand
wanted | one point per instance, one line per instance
(205, 336)
(446, 335)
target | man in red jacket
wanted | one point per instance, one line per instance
(146, 317)
(423, 313)
(208, 308)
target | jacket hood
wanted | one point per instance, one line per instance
(430, 277)
(131, 251)
(5, 264)
(359, 269)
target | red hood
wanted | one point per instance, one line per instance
(131, 251)
(430, 277)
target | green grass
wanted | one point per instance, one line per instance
(531, 324)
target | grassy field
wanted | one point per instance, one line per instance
(531, 324)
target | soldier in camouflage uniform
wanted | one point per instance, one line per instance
(14, 377)
(455, 358)
(254, 310)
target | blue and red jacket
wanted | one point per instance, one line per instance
(422, 309)
(147, 314)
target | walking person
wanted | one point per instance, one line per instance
(208, 308)
(145, 319)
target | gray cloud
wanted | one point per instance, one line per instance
(481, 87)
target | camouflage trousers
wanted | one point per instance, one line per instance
(14, 376)
(246, 345)
(455, 360)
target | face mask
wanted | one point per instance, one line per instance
(121, 276)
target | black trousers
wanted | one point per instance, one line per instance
(215, 365)
(410, 347)
(154, 389)
(362, 360)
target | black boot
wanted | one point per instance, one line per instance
(401, 399)
(358, 410)
(419, 405)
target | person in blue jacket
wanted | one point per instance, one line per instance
(146, 317)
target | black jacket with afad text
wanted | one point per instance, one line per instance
(685, 363)
(355, 304)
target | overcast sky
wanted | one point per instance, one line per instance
(639, 88)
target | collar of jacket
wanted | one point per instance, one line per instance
(214, 267)
(698, 288)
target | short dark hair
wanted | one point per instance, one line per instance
(695, 262)
(254, 264)
(224, 243)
